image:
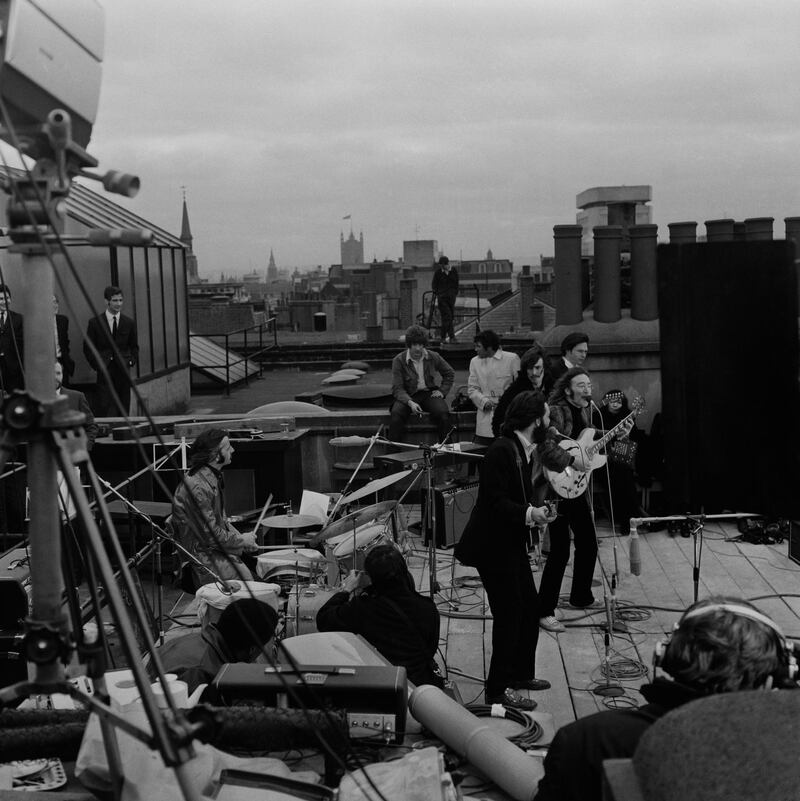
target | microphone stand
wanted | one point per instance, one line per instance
(372, 440)
(429, 518)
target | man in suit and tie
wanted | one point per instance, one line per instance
(61, 338)
(11, 360)
(112, 365)
(77, 401)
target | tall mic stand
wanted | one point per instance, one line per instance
(36, 215)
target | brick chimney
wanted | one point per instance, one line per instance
(567, 266)
(644, 286)
(719, 230)
(758, 228)
(682, 233)
(607, 290)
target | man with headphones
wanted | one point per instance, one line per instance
(719, 645)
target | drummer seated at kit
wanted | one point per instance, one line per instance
(199, 521)
(383, 606)
(240, 634)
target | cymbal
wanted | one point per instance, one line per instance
(290, 521)
(376, 486)
(353, 520)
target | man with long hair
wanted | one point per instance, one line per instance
(720, 645)
(198, 517)
(496, 541)
(570, 413)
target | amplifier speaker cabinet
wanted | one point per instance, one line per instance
(374, 698)
(794, 541)
(452, 507)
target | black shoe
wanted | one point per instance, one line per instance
(513, 700)
(588, 605)
(534, 685)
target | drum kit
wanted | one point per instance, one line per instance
(308, 576)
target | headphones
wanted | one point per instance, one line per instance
(787, 647)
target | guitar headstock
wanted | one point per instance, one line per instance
(637, 405)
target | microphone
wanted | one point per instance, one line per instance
(349, 442)
(633, 553)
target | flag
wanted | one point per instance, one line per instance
(346, 218)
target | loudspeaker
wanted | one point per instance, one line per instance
(729, 367)
(452, 506)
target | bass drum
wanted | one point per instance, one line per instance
(301, 609)
(351, 550)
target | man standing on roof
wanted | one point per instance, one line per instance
(445, 290)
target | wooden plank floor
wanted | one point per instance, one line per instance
(647, 607)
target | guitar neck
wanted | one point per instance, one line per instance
(597, 444)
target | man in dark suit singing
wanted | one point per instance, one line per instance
(11, 375)
(110, 326)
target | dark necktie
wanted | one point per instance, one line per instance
(3, 320)
(114, 327)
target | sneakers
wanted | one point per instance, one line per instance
(512, 699)
(532, 685)
(550, 623)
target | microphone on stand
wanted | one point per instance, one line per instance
(633, 553)
(350, 442)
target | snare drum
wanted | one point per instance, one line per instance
(351, 550)
(301, 610)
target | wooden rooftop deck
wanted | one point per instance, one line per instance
(647, 606)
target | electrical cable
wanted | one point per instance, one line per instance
(137, 438)
(531, 730)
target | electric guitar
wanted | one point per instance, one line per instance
(572, 482)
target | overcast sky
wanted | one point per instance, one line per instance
(472, 123)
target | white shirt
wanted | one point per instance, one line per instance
(110, 318)
(489, 379)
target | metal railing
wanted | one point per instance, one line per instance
(461, 317)
(240, 338)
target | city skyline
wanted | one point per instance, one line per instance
(473, 124)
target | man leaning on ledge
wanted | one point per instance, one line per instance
(421, 380)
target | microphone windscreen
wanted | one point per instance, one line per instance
(633, 553)
(349, 442)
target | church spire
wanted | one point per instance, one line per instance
(186, 231)
(186, 238)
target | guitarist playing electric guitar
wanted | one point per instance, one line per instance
(570, 414)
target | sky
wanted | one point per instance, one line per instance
(472, 123)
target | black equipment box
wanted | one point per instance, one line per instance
(452, 506)
(374, 698)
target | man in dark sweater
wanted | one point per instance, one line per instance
(720, 645)
(389, 614)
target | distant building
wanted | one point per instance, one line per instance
(612, 205)
(352, 249)
(486, 265)
(420, 252)
(272, 269)
(187, 239)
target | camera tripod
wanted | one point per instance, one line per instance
(56, 440)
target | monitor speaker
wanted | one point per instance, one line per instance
(452, 507)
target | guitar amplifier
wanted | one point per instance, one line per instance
(373, 697)
(452, 506)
